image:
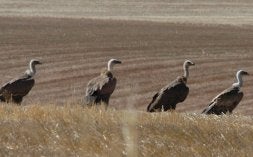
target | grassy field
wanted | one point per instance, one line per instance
(71, 130)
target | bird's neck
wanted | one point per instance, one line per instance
(182, 79)
(186, 71)
(31, 71)
(110, 66)
(239, 82)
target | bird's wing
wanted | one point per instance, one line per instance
(181, 91)
(93, 87)
(108, 85)
(226, 100)
(101, 85)
(176, 90)
(226, 97)
(173, 93)
(19, 86)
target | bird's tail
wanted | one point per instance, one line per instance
(90, 100)
(149, 108)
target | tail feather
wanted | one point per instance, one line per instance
(89, 100)
(149, 109)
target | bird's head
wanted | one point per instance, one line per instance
(32, 70)
(239, 75)
(242, 73)
(112, 62)
(35, 62)
(188, 63)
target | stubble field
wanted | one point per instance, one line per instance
(75, 50)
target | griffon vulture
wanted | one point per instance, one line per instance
(227, 100)
(16, 89)
(100, 88)
(175, 92)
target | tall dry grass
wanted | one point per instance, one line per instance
(72, 130)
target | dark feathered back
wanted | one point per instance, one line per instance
(16, 89)
(99, 89)
(169, 96)
(225, 102)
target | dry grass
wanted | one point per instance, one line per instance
(72, 130)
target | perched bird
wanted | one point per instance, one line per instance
(100, 88)
(172, 94)
(227, 100)
(16, 89)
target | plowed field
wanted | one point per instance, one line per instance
(75, 50)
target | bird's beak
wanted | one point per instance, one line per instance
(192, 63)
(118, 62)
(39, 62)
(247, 73)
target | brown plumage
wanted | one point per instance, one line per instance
(172, 94)
(100, 88)
(16, 89)
(227, 100)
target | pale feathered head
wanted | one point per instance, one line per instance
(112, 62)
(242, 72)
(35, 62)
(188, 63)
(239, 75)
(32, 70)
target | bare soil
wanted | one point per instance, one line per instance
(235, 12)
(75, 50)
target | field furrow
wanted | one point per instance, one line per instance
(75, 50)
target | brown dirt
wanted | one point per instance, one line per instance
(233, 12)
(74, 51)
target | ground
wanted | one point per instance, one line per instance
(75, 50)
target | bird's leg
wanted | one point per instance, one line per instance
(11, 98)
(7, 96)
(168, 107)
(162, 110)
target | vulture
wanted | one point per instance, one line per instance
(14, 90)
(100, 88)
(227, 100)
(175, 92)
